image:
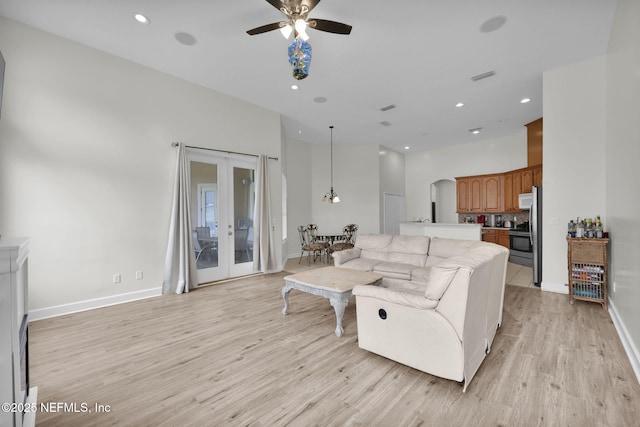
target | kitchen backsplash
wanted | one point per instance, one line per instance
(520, 217)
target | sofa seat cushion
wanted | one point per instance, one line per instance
(394, 270)
(404, 297)
(363, 264)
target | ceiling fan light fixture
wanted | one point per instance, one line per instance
(286, 31)
(300, 25)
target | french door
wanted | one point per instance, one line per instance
(222, 204)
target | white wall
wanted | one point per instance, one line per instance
(623, 173)
(484, 156)
(573, 159)
(86, 167)
(392, 173)
(298, 171)
(356, 179)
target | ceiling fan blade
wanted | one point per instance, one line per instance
(265, 28)
(329, 26)
(278, 4)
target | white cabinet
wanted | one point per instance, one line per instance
(14, 321)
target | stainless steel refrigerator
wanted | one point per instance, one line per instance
(535, 233)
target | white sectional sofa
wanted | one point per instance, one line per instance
(439, 305)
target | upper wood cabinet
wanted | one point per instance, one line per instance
(481, 193)
(511, 189)
(492, 193)
(469, 194)
(537, 176)
(527, 181)
(497, 192)
(476, 194)
(534, 143)
(462, 194)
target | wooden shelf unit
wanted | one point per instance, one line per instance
(588, 265)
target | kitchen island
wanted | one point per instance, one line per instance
(444, 230)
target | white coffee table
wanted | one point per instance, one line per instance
(333, 283)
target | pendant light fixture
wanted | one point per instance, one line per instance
(331, 196)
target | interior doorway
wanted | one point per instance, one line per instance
(443, 201)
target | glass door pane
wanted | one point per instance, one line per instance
(243, 203)
(204, 212)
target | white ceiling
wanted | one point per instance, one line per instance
(416, 54)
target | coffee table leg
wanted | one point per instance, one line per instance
(339, 306)
(285, 296)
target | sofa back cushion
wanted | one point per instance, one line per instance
(438, 281)
(441, 249)
(393, 248)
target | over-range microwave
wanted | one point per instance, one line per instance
(525, 201)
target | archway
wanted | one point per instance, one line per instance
(443, 201)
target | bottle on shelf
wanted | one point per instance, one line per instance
(598, 228)
(571, 229)
(579, 228)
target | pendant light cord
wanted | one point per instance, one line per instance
(331, 159)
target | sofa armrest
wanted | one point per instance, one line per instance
(404, 297)
(341, 257)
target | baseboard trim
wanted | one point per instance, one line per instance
(559, 288)
(632, 352)
(75, 307)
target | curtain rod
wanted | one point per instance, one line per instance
(175, 144)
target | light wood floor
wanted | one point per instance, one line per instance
(224, 355)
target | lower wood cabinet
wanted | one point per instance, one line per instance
(495, 235)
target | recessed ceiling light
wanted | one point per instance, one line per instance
(320, 99)
(387, 107)
(525, 100)
(406, 147)
(475, 131)
(295, 87)
(385, 123)
(141, 18)
(460, 104)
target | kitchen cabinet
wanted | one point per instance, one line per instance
(462, 194)
(534, 142)
(469, 194)
(482, 193)
(511, 189)
(490, 235)
(495, 235)
(492, 193)
(527, 180)
(476, 192)
(588, 270)
(503, 238)
(537, 176)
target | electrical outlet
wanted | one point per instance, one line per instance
(139, 275)
(116, 278)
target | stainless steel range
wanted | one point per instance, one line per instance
(521, 248)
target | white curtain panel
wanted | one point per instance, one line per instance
(180, 264)
(264, 243)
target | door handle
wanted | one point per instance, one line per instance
(230, 233)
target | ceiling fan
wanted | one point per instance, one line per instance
(297, 13)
